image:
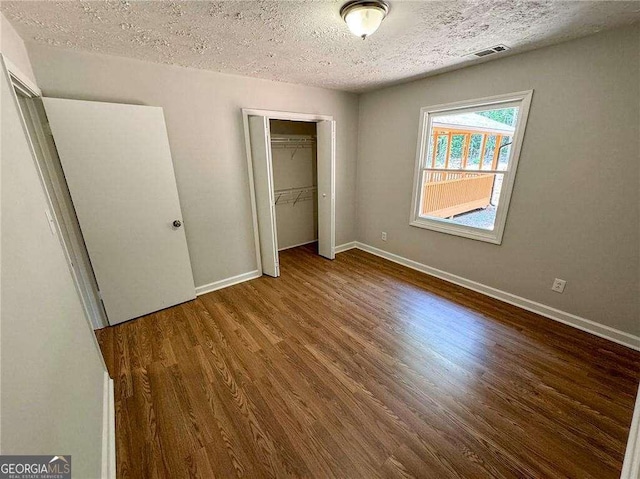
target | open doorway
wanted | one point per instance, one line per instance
(291, 161)
(295, 182)
(61, 214)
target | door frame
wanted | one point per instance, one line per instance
(290, 116)
(84, 279)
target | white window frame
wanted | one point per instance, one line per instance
(523, 101)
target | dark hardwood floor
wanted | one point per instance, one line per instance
(360, 368)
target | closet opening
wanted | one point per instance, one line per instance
(295, 182)
(291, 159)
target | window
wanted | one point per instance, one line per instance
(466, 165)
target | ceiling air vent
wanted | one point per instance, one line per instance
(491, 51)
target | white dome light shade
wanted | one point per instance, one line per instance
(364, 21)
(364, 17)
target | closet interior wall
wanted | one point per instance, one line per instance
(294, 161)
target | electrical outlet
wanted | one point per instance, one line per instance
(558, 285)
(384, 236)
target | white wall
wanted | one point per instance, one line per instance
(295, 168)
(13, 48)
(575, 212)
(204, 122)
(52, 376)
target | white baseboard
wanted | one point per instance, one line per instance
(345, 247)
(108, 430)
(583, 324)
(631, 464)
(224, 283)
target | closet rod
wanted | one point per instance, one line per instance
(291, 146)
(296, 190)
(292, 140)
(289, 139)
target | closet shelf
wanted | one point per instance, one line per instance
(294, 195)
(292, 141)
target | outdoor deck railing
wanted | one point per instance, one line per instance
(447, 193)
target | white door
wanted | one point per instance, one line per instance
(118, 167)
(260, 140)
(326, 188)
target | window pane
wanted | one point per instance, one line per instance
(466, 165)
(464, 197)
(468, 145)
(468, 140)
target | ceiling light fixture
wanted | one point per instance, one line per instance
(363, 17)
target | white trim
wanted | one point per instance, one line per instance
(23, 86)
(112, 431)
(296, 245)
(225, 283)
(108, 430)
(631, 464)
(279, 115)
(332, 185)
(81, 273)
(24, 81)
(14, 97)
(286, 115)
(578, 322)
(346, 247)
(263, 192)
(450, 227)
(252, 191)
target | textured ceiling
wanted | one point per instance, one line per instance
(306, 41)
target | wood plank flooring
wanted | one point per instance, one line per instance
(360, 368)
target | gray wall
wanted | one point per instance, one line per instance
(13, 48)
(204, 122)
(575, 209)
(52, 374)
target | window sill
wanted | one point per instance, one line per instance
(493, 236)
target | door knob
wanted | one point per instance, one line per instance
(177, 223)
